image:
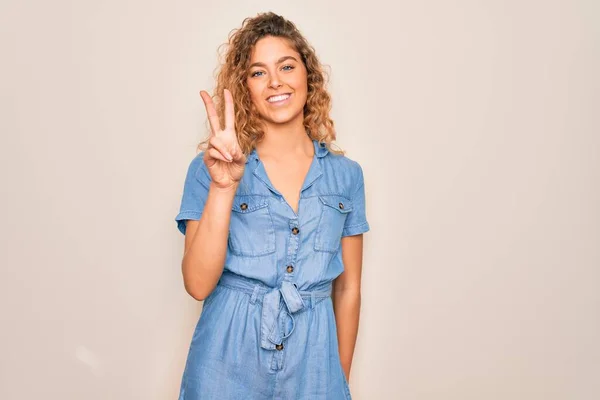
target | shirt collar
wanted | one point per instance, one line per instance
(320, 151)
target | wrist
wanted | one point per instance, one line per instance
(230, 189)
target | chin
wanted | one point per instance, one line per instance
(283, 119)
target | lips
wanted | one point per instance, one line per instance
(279, 98)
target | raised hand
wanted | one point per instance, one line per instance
(223, 157)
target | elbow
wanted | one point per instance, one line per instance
(348, 293)
(197, 287)
(197, 291)
(197, 296)
(349, 289)
(198, 283)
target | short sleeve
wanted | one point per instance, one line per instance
(356, 221)
(195, 192)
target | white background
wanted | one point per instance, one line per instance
(476, 124)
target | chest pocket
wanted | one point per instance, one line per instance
(334, 210)
(251, 231)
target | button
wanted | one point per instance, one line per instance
(295, 231)
(290, 269)
(244, 206)
(279, 347)
(341, 206)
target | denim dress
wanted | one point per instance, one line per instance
(267, 330)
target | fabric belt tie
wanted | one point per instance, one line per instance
(278, 305)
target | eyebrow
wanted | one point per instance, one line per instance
(282, 59)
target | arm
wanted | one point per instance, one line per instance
(347, 299)
(206, 239)
(206, 243)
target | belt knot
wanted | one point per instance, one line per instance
(279, 305)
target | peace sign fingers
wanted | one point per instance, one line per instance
(223, 156)
(213, 117)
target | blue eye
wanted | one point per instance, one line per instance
(261, 73)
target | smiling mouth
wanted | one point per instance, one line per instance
(279, 98)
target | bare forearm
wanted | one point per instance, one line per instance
(346, 305)
(204, 259)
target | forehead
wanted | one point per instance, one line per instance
(269, 49)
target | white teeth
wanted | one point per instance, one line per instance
(278, 98)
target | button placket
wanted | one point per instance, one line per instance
(292, 251)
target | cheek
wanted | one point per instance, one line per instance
(255, 92)
(302, 90)
(301, 84)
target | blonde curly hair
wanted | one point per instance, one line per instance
(234, 69)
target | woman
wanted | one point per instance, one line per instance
(273, 220)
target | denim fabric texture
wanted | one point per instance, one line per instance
(267, 331)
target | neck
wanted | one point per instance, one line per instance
(283, 140)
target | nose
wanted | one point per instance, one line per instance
(274, 82)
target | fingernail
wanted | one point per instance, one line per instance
(229, 157)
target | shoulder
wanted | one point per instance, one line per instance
(197, 170)
(342, 175)
(345, 166)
